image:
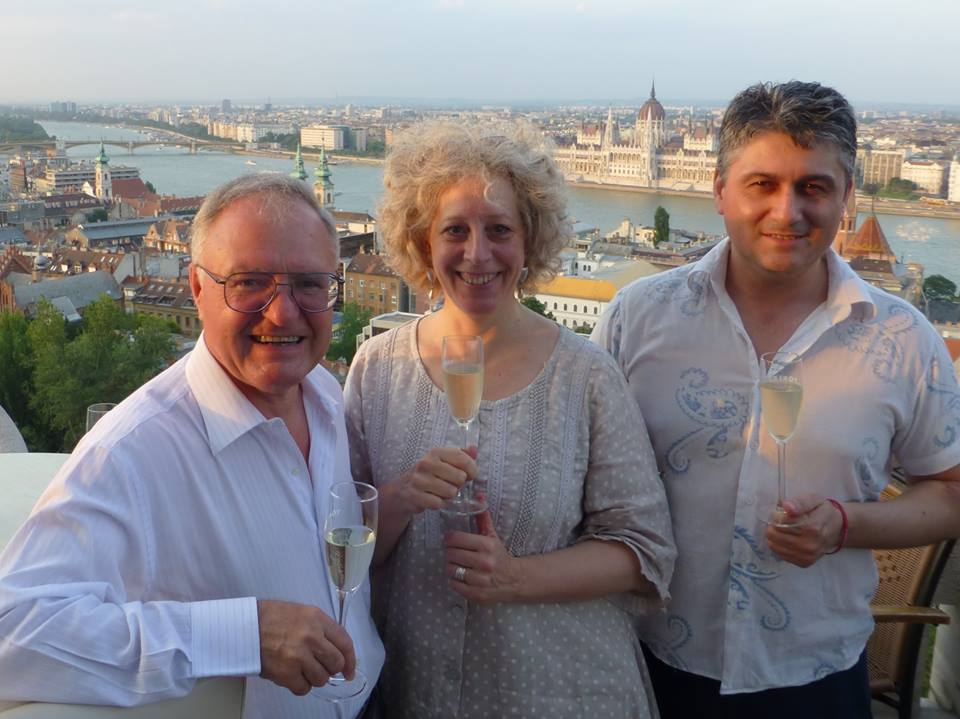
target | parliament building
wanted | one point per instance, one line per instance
(651, 155)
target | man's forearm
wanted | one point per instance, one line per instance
(928, 511)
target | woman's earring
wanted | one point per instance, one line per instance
(524, 273)
(430, 280)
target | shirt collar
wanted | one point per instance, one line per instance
(847, 294)
(226, 413)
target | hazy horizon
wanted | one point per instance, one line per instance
(496, 52)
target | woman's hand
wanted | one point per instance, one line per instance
(435, 478)
(480, 567)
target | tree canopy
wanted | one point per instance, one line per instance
(352, 321)
(532, 303)
(938, 287)
(661, 224)
(50, 372)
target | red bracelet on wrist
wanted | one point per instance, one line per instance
(843, 528)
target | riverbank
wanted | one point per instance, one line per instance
(643, 190)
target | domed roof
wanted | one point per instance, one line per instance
(652, 109)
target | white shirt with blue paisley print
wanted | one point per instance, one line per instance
(877, 380)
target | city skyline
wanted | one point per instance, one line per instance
(519, 52)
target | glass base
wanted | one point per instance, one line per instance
(775, 516)
(339, 688)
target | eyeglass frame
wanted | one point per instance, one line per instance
(222, 281)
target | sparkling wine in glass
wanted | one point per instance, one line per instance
(461, 358)
(781, 394)
(349, 534)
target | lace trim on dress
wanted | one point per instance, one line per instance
(577, 389)
(384, 366)
(532, 472)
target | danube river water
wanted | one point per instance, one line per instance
(935, 243)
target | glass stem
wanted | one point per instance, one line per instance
(342, 596)
(781, 473)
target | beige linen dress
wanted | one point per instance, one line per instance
(565, 459)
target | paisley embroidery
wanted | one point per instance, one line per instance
(748, 588)
(950, 397)
(871, 450)
(823, 669)
(880, 339)
(680, 286)
(680, 634)
(721, 412)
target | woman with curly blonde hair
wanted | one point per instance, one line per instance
(531, 613)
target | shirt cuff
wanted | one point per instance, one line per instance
(225, 638)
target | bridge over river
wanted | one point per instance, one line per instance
(20, 146)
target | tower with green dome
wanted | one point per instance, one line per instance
(103, 184)
(298, 170)
(323, 187)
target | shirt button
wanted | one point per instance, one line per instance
(452, 674)
(456, 609)
(754, 444)
(749, 501)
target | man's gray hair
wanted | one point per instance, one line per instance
(808, 112)
(274, 189)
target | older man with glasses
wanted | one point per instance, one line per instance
(181, 539)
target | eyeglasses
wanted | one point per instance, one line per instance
(252, 292)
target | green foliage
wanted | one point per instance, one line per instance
(286, 141)
(938, 287)
(532, 303)
(104, 360)
(150, 187)
(870, 188)
(97, 215)
(13, 127)
(583, 329)
(661, 224)
(352, 321)
(15, 367)
(898, 189)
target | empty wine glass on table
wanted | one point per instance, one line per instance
(461, 359)
(781, 394)
(95, 412)
(349, 534)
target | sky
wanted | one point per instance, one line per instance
(507, 51)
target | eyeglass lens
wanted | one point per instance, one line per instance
(253, 291)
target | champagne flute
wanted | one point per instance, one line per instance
(95, 412)
(461, 358)
(349, 534)
(781, 394)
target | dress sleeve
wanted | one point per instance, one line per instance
(74, 628)
(360, 464)
(930, 442)
(624, 498)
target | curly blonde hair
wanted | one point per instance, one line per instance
(427, 159)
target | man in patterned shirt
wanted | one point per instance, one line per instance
(764, 620)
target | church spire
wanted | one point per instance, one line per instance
(323, 187)
(298, 170)
(653, 89)
(102, 155)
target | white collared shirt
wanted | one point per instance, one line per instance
(139, 570)
(877, 379)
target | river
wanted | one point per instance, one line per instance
(935, 243)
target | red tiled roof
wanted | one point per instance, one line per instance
(130, 188)
(370, 265)
(953, 345)
(869, 241)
